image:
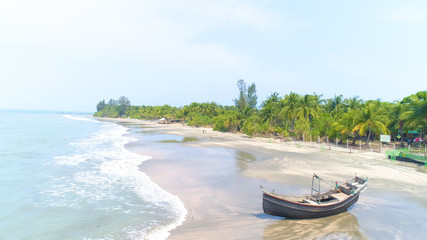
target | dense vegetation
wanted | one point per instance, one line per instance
(291, 115)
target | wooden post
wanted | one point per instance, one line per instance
(336, 141)
(370, 146)
(347, 143)
(360, 145)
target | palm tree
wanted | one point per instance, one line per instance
(290, 103)
(270, 108)
(371, 118)
(416, 114)
(335, 105)
(396, 115)
(309, 107)
(418, 118)
(346, 123)
(352, 103)
(317, 102)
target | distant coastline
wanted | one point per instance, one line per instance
(209, 133)
(47, 111)
(301, 117)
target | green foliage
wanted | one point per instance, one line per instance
(241, 102)
(255, 126)
(323, 126)
(247, 96)
(100, 105)
(114, 108)
(251, 126)
(371, 118)
(252, 98)
(270, 109)
(199, 120)
(124, 105)
(292, 114)
(308, 107)
(110, 111)
(200, 114)
(264, 129)
(228, 121)
(281, 132)
(302, 127)
(415, 113)
(205, 109)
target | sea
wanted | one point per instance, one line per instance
(69, 176)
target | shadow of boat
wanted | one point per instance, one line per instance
(341, 226)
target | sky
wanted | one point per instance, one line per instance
(70, 54)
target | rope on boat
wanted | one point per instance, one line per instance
(323, 181)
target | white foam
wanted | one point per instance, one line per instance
(127, 168)
(148, 190)
(80, 118)
(114, 166)
(70, 160)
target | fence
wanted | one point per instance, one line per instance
(417, 153)
(335, 144)
(407, 155)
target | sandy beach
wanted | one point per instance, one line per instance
(217, 176)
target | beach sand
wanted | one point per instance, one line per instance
(218, 179)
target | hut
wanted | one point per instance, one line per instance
(163, 120)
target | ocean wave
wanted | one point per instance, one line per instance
(104, 173)
(71, 160)
(87, 119)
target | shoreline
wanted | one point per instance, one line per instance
(280, 165)
(182, 129)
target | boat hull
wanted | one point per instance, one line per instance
(281, 207)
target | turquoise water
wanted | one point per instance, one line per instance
(70, 177)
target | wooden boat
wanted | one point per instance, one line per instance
(318, 204)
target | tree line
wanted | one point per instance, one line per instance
(291, 115)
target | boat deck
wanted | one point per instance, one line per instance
(340, 196)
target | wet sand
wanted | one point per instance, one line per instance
(218, 179)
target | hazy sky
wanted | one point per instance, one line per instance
(68, 55)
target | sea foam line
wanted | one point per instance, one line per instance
(161, 232)
(79, 118)
(123, 166)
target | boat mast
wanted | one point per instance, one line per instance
(313, 189)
